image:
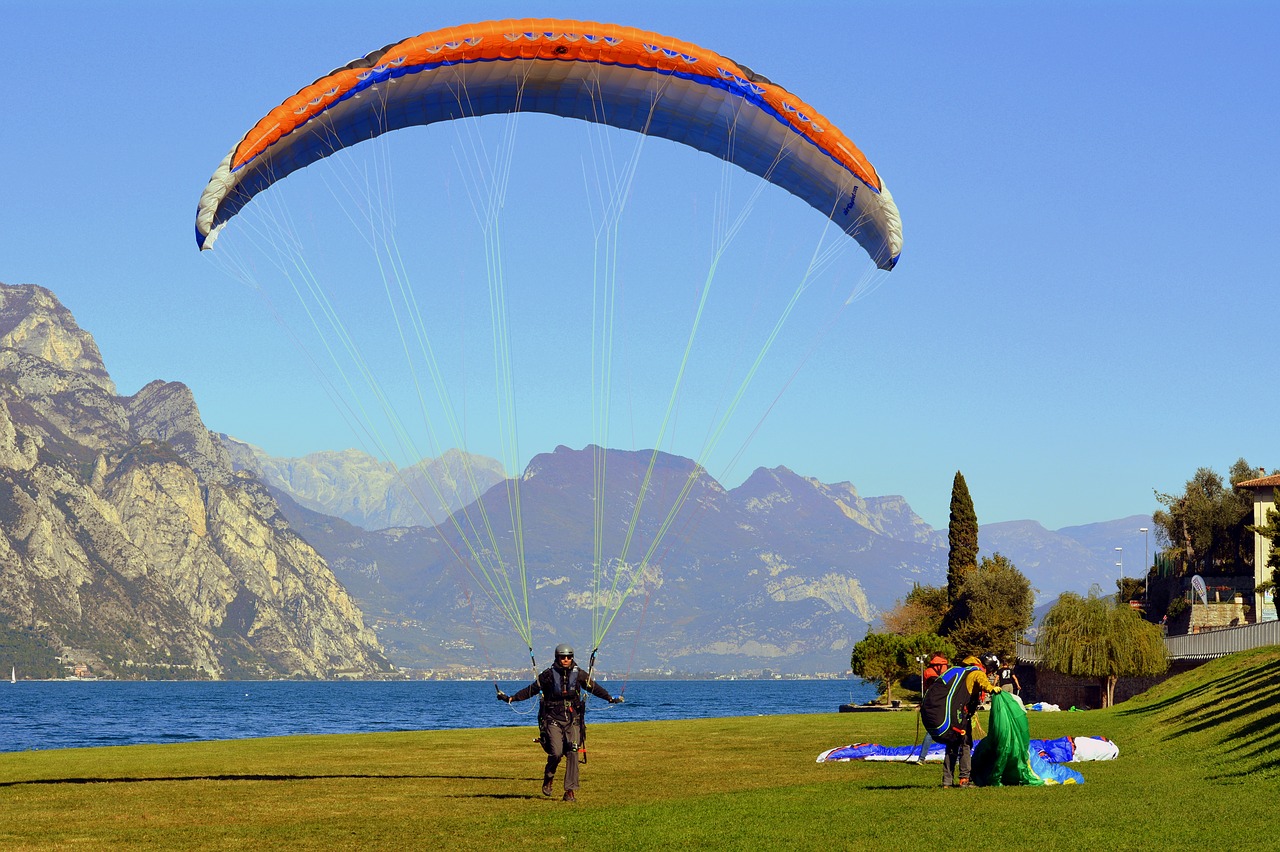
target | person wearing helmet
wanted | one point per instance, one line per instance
(974, 681)
(560, 723)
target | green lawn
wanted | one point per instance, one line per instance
(1199, 767)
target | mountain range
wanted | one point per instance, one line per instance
(1070, 559)
(356, 487)
(133, 536)
(782, 572)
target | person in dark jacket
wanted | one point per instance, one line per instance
(560, 725)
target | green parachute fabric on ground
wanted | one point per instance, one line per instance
(1003, 757)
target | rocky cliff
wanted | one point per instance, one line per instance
(128, 540)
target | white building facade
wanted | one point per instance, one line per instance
(1264, 501)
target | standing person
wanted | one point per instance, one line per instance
(936, 666)
(938, 663)
(560, 725)
(1007, 680)
(963, 686)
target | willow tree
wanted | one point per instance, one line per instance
(1095, 638)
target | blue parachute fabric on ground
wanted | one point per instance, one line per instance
(857, 751)
(872, 751)
(1054, 773)
(1044, 756)
(1055, 751)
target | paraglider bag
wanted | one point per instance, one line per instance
(943, 710)
(955, 733)
(544, 736)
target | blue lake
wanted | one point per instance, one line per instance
(72, 714)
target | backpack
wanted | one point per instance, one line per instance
(944, 708)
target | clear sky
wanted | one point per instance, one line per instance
(1085, 310)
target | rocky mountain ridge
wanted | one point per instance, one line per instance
(128, 540)
(782, 572)
(1071, 559)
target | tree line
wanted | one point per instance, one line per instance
(1208, 529)
(987, 606)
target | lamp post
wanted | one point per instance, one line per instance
(1146, 564)
(1120, 565)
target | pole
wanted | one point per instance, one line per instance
(1146, 563)
(1120, 564)
(920, 753)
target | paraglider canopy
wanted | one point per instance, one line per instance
(619, 76)
(402, 373)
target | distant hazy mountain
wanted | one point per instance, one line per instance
(356, 487)
(1070, 559)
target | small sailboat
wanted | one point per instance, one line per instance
(13, 674)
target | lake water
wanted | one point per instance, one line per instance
(72, 714)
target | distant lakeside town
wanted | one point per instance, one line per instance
(74, 671)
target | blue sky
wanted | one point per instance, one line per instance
(1085, 309)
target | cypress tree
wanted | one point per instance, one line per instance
(962, 536)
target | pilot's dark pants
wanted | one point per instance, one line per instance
(562, 740)
(957, 761)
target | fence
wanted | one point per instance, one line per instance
(1219, 643)
(1200, 646)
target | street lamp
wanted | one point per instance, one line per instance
(1146, 564)
(1120, 565)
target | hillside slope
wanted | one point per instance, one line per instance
(1223, 717)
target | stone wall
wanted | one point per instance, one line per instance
(1086, 693)
(1214, 615)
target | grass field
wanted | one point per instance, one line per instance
(1199, 768)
